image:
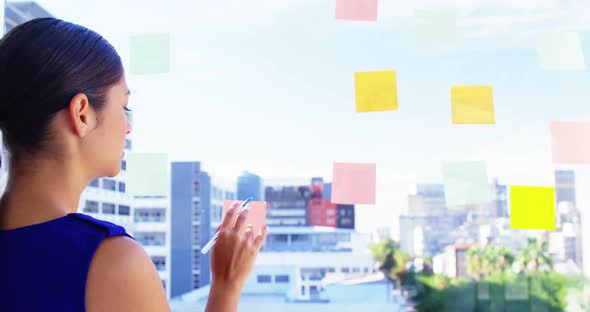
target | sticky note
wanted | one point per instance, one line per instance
(483, 290)
(570, 142)
(560, 51)
(472, 105)
(436, 27)
(150, 54)
(147, 174)
(532, 208)
(354, 183)
(517, 289)
(466, 183)
(375, 91)
(256, 213)
(356, 10)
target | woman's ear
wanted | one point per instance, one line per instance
(82, 115)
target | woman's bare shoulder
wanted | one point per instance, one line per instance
(122, 277)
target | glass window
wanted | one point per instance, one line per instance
(124, 210)
(108, 208)
(263, 279)
(94, 183)
(122, 187)
(109, 184)
(91, 206)
(468, 81)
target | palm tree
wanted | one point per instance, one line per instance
(384, 253)
(475, 263)
(497, 259)
(534, 257)
(490, 260)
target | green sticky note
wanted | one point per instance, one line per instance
(560, 51)
(150, 54)
(147, 174)
(532, 208)
(436, 27)
(517, 289)
(466, 183)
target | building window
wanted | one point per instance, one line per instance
(151, 238)
(128, 144)
(109, 184)
(196, 281)
(263, 279)
(122, 187)
(123, 165)
(150, 214)
(94, 183)
(366, 270)
(345, 270)
(124, 210)
(331, 270)
(282, 279)
(356, 270)
(197, 187)
(108, 208)
(164, 284)
(91, 206)
(159, 263)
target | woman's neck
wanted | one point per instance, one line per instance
(38, 192)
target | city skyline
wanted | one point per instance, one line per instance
(268, 87)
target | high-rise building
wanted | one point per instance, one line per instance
(566, 242)
(17, 13)
(500, 200)
(250, 185)
(190, 227)
(287, 205)
(197, 202)
(151, 228)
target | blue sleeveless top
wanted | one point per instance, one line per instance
(43, 267)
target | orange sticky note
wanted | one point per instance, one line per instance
(570, 142)
(472, 105)
(532, 208)
(376, 91)
(356, 10)
(354, 184)
(256, 213)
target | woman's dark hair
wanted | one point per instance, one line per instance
(44, 63)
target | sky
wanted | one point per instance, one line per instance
(268, 86)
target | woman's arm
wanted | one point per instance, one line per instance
(232, 260)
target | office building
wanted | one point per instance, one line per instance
(197, 203)
(250, 185)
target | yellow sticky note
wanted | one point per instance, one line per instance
(472, 105)
(532, 208)
(375, 91)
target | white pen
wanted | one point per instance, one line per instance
(213, 239)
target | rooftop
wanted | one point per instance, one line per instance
(364, 294)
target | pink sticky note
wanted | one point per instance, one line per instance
(256, 213)
(354, 183)
(356, 10)
(570, 142)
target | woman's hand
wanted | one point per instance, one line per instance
(233, 255)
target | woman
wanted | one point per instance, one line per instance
(63, 103)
